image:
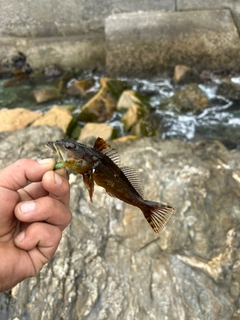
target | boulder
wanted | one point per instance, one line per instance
(57, 116)
(191, 98)
(18, 118)
(96, 130)
(229, 89)
(111, 265)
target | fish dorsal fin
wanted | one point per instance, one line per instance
(133, 178)
(104, 147)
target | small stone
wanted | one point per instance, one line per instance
(46, 94)
(184, 74)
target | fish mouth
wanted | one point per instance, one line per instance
(59, 154)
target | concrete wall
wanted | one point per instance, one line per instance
(71, 33)
(31, 18)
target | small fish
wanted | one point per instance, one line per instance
(101, 164)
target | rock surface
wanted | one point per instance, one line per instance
(111, 265)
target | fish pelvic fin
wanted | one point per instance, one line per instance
(157, 214)
(89, 183)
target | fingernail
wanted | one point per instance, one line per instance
(27, 206)
(20, 236)
(47, 161)
(57, 178)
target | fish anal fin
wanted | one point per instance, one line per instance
(133, 178)
(89, 183)
(157, 214)
(104, 147)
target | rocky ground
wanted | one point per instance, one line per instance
(111, 265)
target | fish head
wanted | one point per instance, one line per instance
(71, 154)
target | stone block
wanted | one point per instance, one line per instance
(146, 43)
(81, 52)
(233, 5)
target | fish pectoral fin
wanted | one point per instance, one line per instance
(157, 214)
(89, 183)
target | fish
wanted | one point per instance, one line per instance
(100, 164)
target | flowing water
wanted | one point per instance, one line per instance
(220, 121)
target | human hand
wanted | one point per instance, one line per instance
(32, 217)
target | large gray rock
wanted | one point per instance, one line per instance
(111, 265)
(145, 43)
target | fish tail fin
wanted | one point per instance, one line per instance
(157, 214)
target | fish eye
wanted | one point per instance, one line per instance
(69, 145)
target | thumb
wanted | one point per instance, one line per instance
(17, 175)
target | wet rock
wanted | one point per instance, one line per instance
(129, 98)
(111, 265)
(131, 117)
(52, 71)
(191, 98)
(101, 107)
(18, 79)
(46, 94)
(184, 75)
(80, 87)
(18, 118)
(57, 116)
(96, 130)
(136, 106)
(149, 126)
(229, 89)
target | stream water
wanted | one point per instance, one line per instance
(220, 121)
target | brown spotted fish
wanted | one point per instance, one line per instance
(100, 164)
